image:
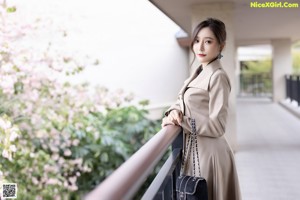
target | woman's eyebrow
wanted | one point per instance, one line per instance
(205, 38)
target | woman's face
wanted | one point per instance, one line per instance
(206, 46)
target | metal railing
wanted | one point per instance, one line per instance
(258, 84)
(293, 88)
(130, 176)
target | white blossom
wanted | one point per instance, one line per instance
(34, 181)
(55, 156)
(75, 142)
(67, 152)
(13, 134)
(6, 154)
(4, 124)
(52, 181)
(13, 148)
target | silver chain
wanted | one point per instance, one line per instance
(192, 144)
(186, 154)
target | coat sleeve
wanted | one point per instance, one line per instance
(214, 124)
(178, 104)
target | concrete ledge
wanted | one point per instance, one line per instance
(156, 111)
(291, 106)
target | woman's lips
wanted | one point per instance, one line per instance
(201, 55)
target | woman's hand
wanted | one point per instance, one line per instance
(166, 121)
(174, 118)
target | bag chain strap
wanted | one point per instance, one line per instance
(192, 144)
(186, 154)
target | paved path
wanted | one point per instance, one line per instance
(268, 157)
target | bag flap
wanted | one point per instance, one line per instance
(188, 184)
(192, 185)
(180, 183)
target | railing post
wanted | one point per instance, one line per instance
(287, 86)
(253, 83)
(130, 176)
(256, 84)
(294, 87)
(164, 184)
(177, 144)
(298, 89)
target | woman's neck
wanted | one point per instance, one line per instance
(207, 63)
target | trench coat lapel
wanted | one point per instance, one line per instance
(187, 82)
(201, 80)
(184, 87)
(198, 80)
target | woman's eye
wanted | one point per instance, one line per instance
(208, 42)
(196, 41)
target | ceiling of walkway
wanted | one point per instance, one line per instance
(252, 25)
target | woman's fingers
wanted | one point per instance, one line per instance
(175, 117)
(166, 122)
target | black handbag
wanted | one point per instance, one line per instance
(191, 187)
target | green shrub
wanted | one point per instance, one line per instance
(68, 145)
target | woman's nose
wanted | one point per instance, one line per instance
(201, 46)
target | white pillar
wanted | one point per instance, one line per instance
(237, 72)
(224, 12)
(282, 65)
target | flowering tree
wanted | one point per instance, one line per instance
(58, 139)
(9, 134)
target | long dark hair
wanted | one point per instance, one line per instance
(216, 26)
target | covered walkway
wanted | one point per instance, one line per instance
(268, 157)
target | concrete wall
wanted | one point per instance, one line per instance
(282, 65)
(139, 52)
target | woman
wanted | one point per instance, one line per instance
(204, 97)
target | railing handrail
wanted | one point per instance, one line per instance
(166, 175)
(127, 179)
(293, 87)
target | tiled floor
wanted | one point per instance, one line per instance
(268, 157)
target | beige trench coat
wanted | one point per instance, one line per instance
(205, 98)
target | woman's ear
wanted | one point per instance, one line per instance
(222, 47)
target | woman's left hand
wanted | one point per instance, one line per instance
(175, 116)
(166, 121)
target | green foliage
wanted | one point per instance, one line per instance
(72, 148)
(261, 66)
(11, 9)
(255, 77)
(296, 62)
(265, 66)
(121, 132)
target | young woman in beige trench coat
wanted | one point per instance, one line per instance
(204, 97)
